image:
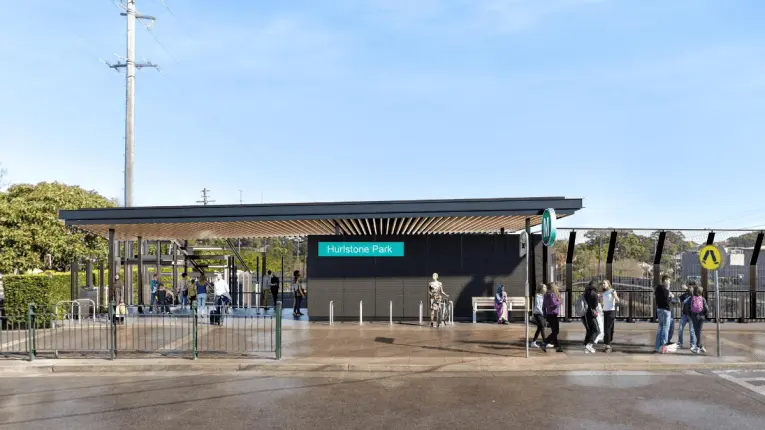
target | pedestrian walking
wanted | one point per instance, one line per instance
(551, 307)
(685, 317)
(153, 287)
(202, 286)
(610, 301)
(698, 310)
(116, 296)
(539, 318)
(275, 284)
(181, 294)
(298, 292)
(590, 318)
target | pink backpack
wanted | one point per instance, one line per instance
(697, 304)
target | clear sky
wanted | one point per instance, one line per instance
(653, 111)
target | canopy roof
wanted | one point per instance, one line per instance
(303, 219)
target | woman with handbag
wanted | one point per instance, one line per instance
(299, 292)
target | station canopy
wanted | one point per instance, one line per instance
(303, 219)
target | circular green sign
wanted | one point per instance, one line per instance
(549, 221)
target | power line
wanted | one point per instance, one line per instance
(166, 7)
(205, 197)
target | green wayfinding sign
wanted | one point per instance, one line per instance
(361, 249)
(549, 228)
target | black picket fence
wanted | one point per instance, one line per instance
(189, 333)
(638, 304)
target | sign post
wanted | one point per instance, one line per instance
(525, 239)
(714, 258)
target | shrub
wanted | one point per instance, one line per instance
(21, 290)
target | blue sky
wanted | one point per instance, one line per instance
(652, 111)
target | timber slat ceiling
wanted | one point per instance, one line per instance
(351, 219)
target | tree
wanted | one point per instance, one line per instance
(30, 228)
(744, 241)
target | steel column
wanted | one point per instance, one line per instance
(89, 274)
(753, 276)
(705, 272)
(101, 284)
(112, 268)
(174, 253)
(657, 268)
(570, 275)
(128, 281)
(159, 270)
(532, 272)
(282, 281)
(234, 281)
(610, 257)
(141, 273)
(545, 265)
(73, 281)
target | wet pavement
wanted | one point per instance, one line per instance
(587, 400)
(380, 340)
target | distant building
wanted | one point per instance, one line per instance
(735, 273)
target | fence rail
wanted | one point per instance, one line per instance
(182, 333)
(638, 304)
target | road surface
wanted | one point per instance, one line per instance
(591, 400)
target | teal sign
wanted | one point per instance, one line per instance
(548, 227)
(361, 249)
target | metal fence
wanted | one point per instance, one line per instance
(189, 333)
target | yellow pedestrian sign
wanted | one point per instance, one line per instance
(711, 257)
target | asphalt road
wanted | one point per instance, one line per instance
(592, 400)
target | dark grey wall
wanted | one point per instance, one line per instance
(468, 266)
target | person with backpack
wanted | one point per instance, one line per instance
(588, 302)
(539, 318)
(685, 317)
(698, 310)
(551, 307)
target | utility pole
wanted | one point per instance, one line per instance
(205, 197)
(130, 67)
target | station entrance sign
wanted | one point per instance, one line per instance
(361, 249)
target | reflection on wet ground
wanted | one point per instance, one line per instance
(490, 340)
(592, 400)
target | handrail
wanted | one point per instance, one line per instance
(236, 254)
(71, 308)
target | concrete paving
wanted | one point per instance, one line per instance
(567, 400)
(411, 348)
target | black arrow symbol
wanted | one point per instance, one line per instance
(708, 254)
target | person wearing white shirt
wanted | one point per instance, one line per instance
(610, 300)
(221, 291)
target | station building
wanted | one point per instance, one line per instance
(368, 253)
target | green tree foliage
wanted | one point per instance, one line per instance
(744, 241)
(30, 228)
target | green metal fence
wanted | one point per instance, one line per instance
(190, 333)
